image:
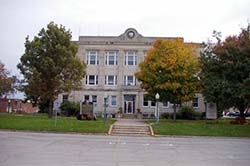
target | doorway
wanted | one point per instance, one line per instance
(129, 104)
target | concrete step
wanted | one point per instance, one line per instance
(134, 130)
(127, 126)
(130, 130)
(129, 116)
(134, 135)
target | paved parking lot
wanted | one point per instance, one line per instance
(24, 149)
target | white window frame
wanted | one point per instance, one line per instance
(113, 101)
(195, 102)
(90, 55)
(133, 55)
(126, 82)
(108, 55)
(95, 80)
(108, 77)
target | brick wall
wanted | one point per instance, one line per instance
(16, 105)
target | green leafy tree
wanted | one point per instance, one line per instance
(226, 72)
(7, 82)
(50, 66)
(170, 69)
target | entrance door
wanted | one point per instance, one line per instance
(129, 107)
(129, 104)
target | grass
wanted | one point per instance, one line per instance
(43, 123)
(202, 128)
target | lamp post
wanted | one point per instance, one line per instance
(105, 108)
(157, 97)
(9, 101)
(205, 110)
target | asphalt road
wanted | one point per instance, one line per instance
(44, 149)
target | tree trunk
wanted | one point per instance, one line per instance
(242, 110)
(50, 109)
(174, 112)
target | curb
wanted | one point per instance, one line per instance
(110, 129)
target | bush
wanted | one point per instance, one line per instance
(69, 108)
(185, 112)
(166, 115)
(189, 113)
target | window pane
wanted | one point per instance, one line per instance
(131, 53)
(145, 102)
(86, 98)
(92, 60)
(130, 60)
(111, 60)
(195, 102)
(130, 80)
(111, 80)
(113, 100)
(93, 52)
(94, 99)
(91, 80)
(153, 103)
(65, 98)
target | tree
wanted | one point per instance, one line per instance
(50, 66)
(170, 69)
(7, 82)
(226, 72)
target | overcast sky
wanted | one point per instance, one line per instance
(193, 19)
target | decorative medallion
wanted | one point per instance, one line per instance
(131, 34)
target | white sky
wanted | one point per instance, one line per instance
(192, 19)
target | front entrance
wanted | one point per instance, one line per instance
(129, 104)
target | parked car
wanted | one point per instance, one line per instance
(233, 113)
(247, 113)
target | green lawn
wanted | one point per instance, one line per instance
(202, 128)
(42, 123)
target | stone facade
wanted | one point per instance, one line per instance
(111, 64)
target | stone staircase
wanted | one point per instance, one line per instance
(131, 130)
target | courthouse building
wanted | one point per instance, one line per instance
(112, 62)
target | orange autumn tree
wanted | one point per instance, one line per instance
(170, 69)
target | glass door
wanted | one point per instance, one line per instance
(129, 107)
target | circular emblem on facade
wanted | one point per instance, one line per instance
(131, 34)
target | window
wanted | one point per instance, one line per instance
(94, 99)
(145, 102)
(165, 104)
(153, 103)
(129, 80)
(92, 58)
(111, 58)
(86, 98)
(131, 58)
(65, 98)
(92, 80)
(195, 102)
(110, 80)
(113, 100)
